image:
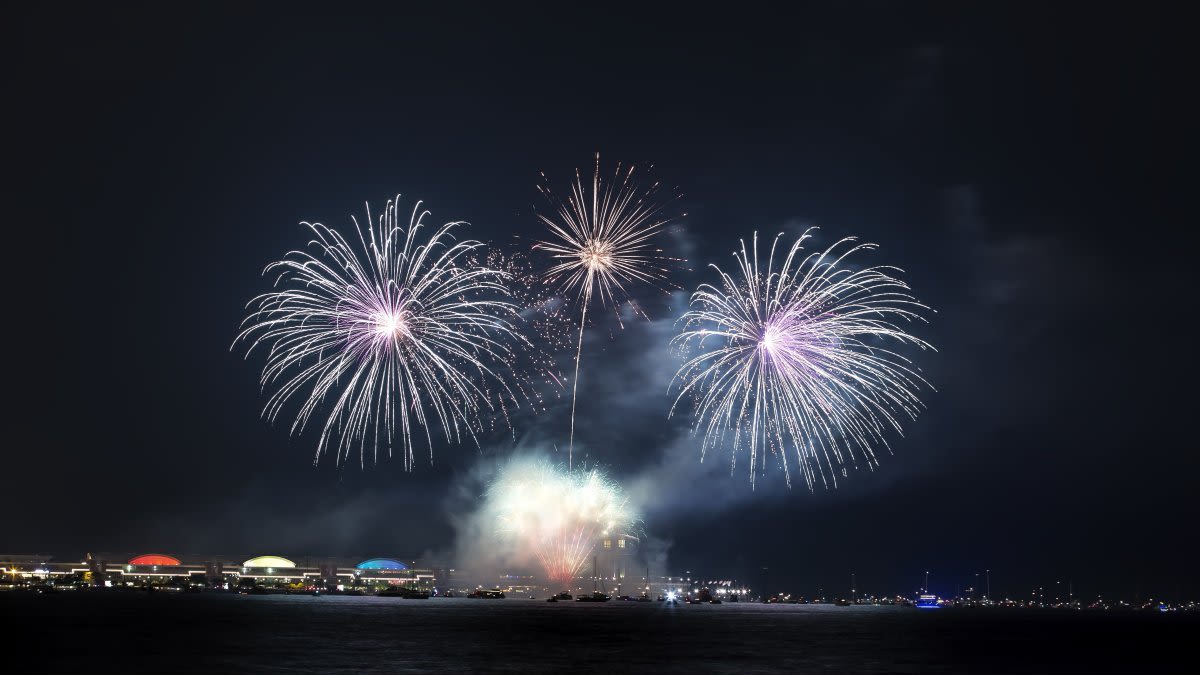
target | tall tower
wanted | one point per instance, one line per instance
(615, 555)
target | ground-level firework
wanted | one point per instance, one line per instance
(554, 515)
(393, 331)
(801, 357)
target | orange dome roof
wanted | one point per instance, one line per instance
(154, 559)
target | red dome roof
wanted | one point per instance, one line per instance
(154, 559)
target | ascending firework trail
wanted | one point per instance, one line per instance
(603, 242)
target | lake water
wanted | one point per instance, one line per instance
(103, 632)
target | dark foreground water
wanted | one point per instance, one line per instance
(107, 632)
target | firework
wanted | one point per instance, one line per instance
(802, 357)
(603, 242)
(557, 515)
(398, 332)
(545, 318)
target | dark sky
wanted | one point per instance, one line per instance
(1019, 162)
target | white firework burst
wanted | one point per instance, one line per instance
(801, 358)
(399, 332)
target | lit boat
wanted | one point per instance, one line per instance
(928, 601)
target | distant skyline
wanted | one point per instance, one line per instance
(1018, 163)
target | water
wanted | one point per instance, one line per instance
(282, 634)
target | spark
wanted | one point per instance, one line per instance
(801, 357)
(398, 332)
(544, 319)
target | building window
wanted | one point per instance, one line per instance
(607, 543)
(620, 543)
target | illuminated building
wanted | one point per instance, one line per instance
(616, 565)
(177, 572)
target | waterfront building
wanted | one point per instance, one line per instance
(187, 571)
(615, 564)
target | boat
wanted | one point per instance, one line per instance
(927, 600)
(487, 594)
(564, 596)
(842, 602)
(406, 593)
(597, 595)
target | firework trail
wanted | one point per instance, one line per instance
(400, 332)
(557, 514)
(801, 355)
(604, 243)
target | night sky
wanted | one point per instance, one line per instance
(1018, 162)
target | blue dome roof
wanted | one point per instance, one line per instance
(382, 564)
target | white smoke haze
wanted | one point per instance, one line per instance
(477, 554)
(508, 511)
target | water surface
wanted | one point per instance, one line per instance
(284, 634)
